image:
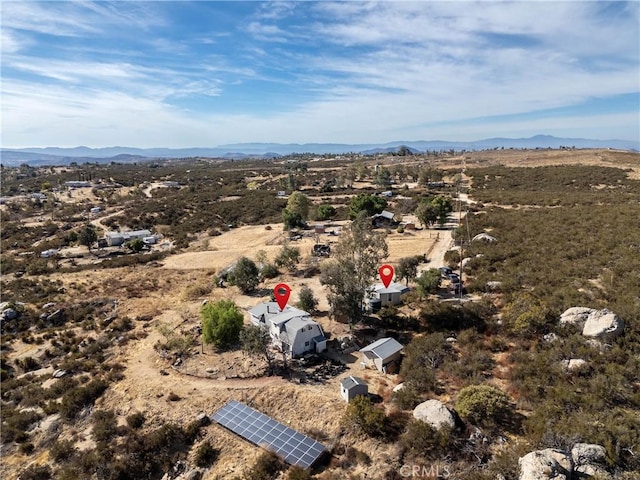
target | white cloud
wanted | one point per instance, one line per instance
(383, 71)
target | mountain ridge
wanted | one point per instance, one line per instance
(62, 155)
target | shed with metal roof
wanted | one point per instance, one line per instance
(381, 353)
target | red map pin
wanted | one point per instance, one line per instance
(282, 292)
(386, 274)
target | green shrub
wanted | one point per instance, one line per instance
(485, 405)
(80, 397)
(421, 440)
(362, 414)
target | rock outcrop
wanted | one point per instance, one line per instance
(435, 413)
(603, 324)
(548, 464)
(574, 364)
(589, 460)
(600, 324)
(586, 460)
(576, 316)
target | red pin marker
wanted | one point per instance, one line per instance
(282, 292)
(386, 274)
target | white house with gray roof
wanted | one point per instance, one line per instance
(391, 295)
(381, 353)
(292, 329)
(351, 387)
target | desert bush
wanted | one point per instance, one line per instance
(136, 420)
(421, 440)
(62, 450)
(267, 467)
(205, 455)
(80, 397)
(16, 423)
(406, 398)
(485, 405)
(363, 415)
(306, 300)
(104, 425)
(423, 355)
(36, 472)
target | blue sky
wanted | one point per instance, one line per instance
(205, 73)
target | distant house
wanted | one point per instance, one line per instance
(391, 295)
(291, 329)
(381, 354)
(383, 219)
(351, 387)
(410, 226)
(115, 239)
(77, 184)
(95, 210)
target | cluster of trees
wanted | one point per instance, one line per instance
(354, 266)
(432, 210)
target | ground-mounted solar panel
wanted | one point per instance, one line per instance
(292, 446)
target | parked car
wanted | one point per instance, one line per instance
(445, 272)
(454, 278)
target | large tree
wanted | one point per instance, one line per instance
(257, 341)
(87, 236)
(221, 323)
(297, 210)
(354, 267)
(245, 275)
(434, 209)
(365, 202)
(408, 268)
(288, 257)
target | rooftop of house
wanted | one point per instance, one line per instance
(393, 287)
(383, 348)
(351, 382)
(289, 315)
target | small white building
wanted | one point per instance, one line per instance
(77, 184)
(351, 387)
(381, 353)
(391, 295)
(291, 329)
(115, 239)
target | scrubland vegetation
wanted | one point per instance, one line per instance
(566, 236)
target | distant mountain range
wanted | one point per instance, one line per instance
(64, 156)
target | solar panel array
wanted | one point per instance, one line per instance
(260, 429)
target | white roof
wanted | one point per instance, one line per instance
(393, 287)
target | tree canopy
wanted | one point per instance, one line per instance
(88, 236)
(221, 323)
(434, 209)
(245, 275)
(407, 268)
(365, 202)
(297, 210)
(354, 266)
